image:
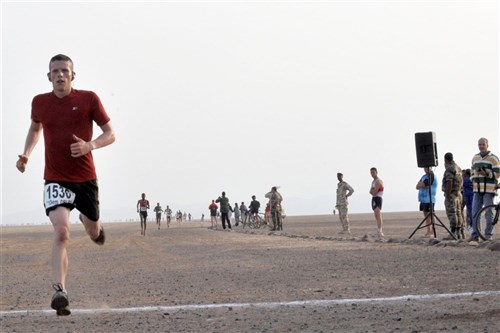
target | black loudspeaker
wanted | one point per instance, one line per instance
(425, 145)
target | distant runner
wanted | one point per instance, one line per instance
(168, 213)
(142, 209)
(158, 212)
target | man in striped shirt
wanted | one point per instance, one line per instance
(485, 174)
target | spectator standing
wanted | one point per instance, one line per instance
(243, 212)
(377, 191)
(452, 188)
(275, 200)
(236, 210)
(485, 173)
(427, 200)
(254, 206)
(224, 210)
(344, 190)
(267, 213)
(213, 214)
(467, 197)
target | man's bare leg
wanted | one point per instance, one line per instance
(428, 224)
(92, 228)
(380, 222)
(59, 218)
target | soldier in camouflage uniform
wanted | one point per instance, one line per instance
(452, 188)
(275, 199)
(344, 190)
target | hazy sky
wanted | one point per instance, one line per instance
(208, 97)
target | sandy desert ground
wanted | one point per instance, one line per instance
(189, 278)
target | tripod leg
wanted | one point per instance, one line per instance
(443, 226)
(420, 226)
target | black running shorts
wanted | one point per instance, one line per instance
(82, 196)
(425, 207)
(376, 202)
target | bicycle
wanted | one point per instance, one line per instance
(253, 221)
(490, 211)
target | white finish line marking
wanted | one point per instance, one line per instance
(310, 303)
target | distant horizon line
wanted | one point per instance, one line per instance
(207, 218)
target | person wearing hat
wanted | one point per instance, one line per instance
(452, 188)
(344, 190)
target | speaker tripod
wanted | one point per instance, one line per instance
(431, 214)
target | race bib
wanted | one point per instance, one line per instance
(144, 209)
(56, 195)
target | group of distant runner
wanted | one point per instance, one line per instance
(142, 209)
(242, 213)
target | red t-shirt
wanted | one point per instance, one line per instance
(60, 119)
(143, 205)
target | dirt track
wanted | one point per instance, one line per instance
(247, 281)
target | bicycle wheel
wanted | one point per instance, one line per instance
(486, 213)
(251, 222)
(258, 221)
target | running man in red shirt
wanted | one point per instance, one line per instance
(66, 117)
